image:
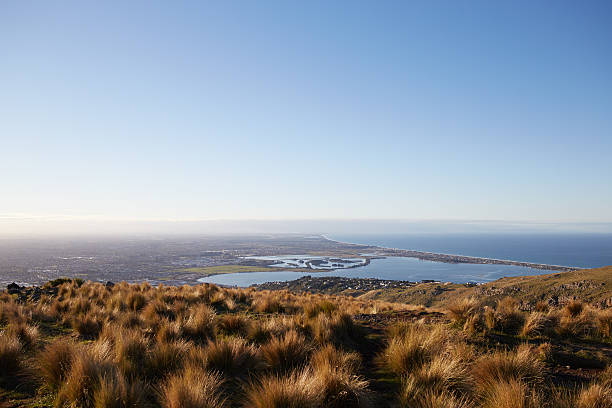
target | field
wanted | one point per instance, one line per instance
(222, 269)
(82, 344)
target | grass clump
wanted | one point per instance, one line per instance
(10, 356)
(287, 352)
(413, 346)
(193, 388)
(55, 361)
(231, 357)
(296, 390)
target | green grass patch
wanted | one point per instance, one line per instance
(223, 269)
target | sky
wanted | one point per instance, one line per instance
(155, 111)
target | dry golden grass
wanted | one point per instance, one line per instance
(595, 396)
(329, 357)
(463, 309)
(26, 334)
(193, 388)
(115, 391)
(232, 357)
(287, 352)
(296, 390)
(521, 365)
(136, 345)
(540, 324)
(10, 355)
(414, 345)
(510, 394)
(54, 362)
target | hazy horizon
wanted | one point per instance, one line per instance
(125, 228)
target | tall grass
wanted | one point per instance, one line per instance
(193, 388)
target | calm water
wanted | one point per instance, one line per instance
(580, 250)
(388, 268)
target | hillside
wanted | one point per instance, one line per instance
(593, 286)
(74, 344)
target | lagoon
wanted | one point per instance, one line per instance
(392, 268)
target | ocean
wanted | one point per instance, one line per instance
(580, 250)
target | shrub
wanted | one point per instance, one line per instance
(297, 390)
(431, 399)
(338, 329)
(287, 352)
(585, 324)
(506, 318)
(192, 388)
(267, 304)
(604, 321)
(54, 362)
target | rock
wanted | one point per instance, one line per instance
(109, 284)
(13, 288)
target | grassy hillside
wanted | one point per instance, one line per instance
(593, 286)
(73, 344)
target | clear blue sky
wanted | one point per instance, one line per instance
(276, 110)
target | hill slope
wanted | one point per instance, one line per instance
(593, 286)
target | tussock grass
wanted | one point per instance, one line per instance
(540, 324)
(200, 325)
(296, 390)
(86, 371)
(460, 311)
(287, 352)
(234, 325)
(330, 358)
(510, 394)
(115, 391)
(505, 318)
(522, 366)
(10, 356)
(413, 346)
(193, 388)
(595, 396)
(55, 361)
(88, 326)
(443, 374)
(135, 345)
(26, 334)
(232, 357)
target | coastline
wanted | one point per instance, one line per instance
(455, 258)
